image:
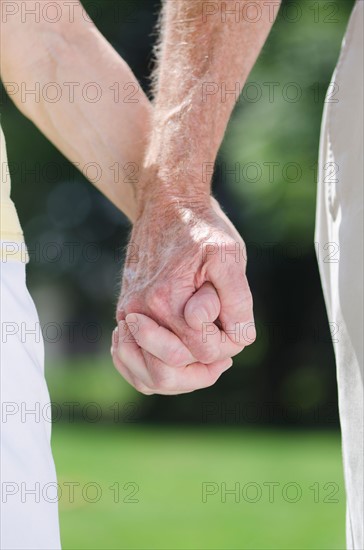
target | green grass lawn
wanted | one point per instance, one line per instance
(159, 483)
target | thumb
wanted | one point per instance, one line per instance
(203, 307)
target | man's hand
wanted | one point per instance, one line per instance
(176, 248)
(181, 240)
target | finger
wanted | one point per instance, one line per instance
(207, 343)
(201, 310)
(198, 375)
(127, 374)
(130, 357)
(158, 341)
(236, 315)
(202, 307)
(150, 375)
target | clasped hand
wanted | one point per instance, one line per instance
(185, 307)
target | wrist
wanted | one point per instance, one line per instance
(161, 189)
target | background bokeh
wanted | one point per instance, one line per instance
(273, 416)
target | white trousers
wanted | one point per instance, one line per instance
(29, 507)
(339, 246)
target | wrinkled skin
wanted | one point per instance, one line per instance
(176, 249)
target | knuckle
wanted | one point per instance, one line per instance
(245, 306)
(250, 333)
(252, 339)
(248, 300)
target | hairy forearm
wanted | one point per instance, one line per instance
(205, 52)
(103, 126)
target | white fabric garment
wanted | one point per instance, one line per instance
(339, 245)
(29, 507)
